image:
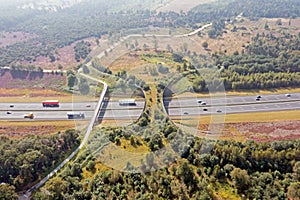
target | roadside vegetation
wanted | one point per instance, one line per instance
(26, 160)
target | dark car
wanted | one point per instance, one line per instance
(11, 105)
(8, 112)
(258, 97)
(219, 111)
(204, 109)
(185, 113)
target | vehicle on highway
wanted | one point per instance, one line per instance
(127, 102)
(205, 109)
(8, 112)
(88, 105)
(203, 103)
(258, 97)
(29, 115)
(75, 115)
(11, 105)
(199, 101)
(50, 103)
(219, 111)
(185, 113)
(288, 95)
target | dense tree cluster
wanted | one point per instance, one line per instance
(252, 9)
(216, 29)
(82, 49)
(24, 161)
(254, 170)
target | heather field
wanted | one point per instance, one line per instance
(19, 129)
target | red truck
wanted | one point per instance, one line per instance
(50, 103)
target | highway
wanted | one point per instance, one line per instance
(113, 110)
(234, 100)
(231, 109)
(76, 106)
(177, 107)
(233, 104)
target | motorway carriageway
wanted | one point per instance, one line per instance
(177, 107)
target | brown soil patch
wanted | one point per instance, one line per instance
(64, 56)
(32, 88)
(31, 80)
(128, 62)
(21, 129)
(259, 131)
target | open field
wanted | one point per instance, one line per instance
(10, 38)
(148, 43)
(261, 126)
(258, 117)
(118, 156)
(140, 65)
(15, 95)
(230, 41)
(17, 129)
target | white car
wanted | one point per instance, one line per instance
(288, 95)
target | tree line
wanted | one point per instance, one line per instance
(26, 160)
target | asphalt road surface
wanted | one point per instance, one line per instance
(76, 106)
(62, 115)
(230, 109)
(228, 105)
(237, 100)
(16, 111)
(177, 107)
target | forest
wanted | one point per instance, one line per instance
(25, 160)
(204, 169)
